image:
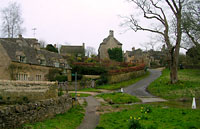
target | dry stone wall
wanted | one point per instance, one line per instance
(14, 116)
(19, 91)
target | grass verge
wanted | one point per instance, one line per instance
(187, 86)
(68, 120)
(122, 84)
(118, 98)
(90, 90)
(152, 117)
(80, 94)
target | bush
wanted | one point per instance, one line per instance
(61, 78)
(87, 70)
(60, 92)
(134, 124)
(103, 80)
(128, 69)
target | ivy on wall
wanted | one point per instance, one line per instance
(116, 54)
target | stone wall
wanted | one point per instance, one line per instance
(125, 76)
(80, 85)
(15, 116)
(20, 91)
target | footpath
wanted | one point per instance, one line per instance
(138, 89)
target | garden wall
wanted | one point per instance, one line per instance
(124, 76)
(15, 116)
(20, 91)
(80, 85)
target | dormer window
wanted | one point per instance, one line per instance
(56, 64)
(22, 59)
(42, 62)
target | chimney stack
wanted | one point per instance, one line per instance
(111, 33)
(20, 36)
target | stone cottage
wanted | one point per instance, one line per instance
(108, 43)
(137, 57)
(73, 50)
(22, 59)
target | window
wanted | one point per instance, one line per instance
(22, 77)
(42, 62)
(56, 64)
(38, 78)
(22, 59)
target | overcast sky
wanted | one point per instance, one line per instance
(78, 21)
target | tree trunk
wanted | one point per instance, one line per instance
(173, 72)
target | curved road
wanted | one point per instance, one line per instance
(139, 89)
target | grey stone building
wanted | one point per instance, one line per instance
(108, 43)
(73, 50)
(22, 59)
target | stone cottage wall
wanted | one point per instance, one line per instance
(15, 116)
(20, 91)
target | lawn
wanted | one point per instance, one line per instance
(80, 94)
(68, 120)
(187, 86)
(122, 84)
(118, 98)
(152, 117)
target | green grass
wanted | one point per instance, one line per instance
(90, 90)
(158, 118)
(79, 95)
(187, 86)
(122, 84)
(118, 98)
(68, 120)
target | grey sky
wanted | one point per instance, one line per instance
(78, 21)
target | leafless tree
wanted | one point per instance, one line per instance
(11, 20)
(42, 43)
(161, 12)
(191, 23)
(90, 51)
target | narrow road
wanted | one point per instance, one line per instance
(91, 118)
(139, 89)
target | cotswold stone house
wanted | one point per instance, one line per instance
(22, 59)
(108, 43)
(73, 50)
(137, 57)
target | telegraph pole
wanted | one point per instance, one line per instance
(34, 33)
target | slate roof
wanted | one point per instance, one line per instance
(71, 49)
(108, 38)
(30, 53)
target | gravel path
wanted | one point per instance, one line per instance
(91, 118)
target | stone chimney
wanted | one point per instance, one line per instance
(83, 45)
(36, 45)
(133, 48)
(20, 36)
(111, 33)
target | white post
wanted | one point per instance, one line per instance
(194, 103)
(122, 90)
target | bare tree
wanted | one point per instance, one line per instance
(42, 43)
(161, 13)
(90, 51)
(191, 24)
(11, 20)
